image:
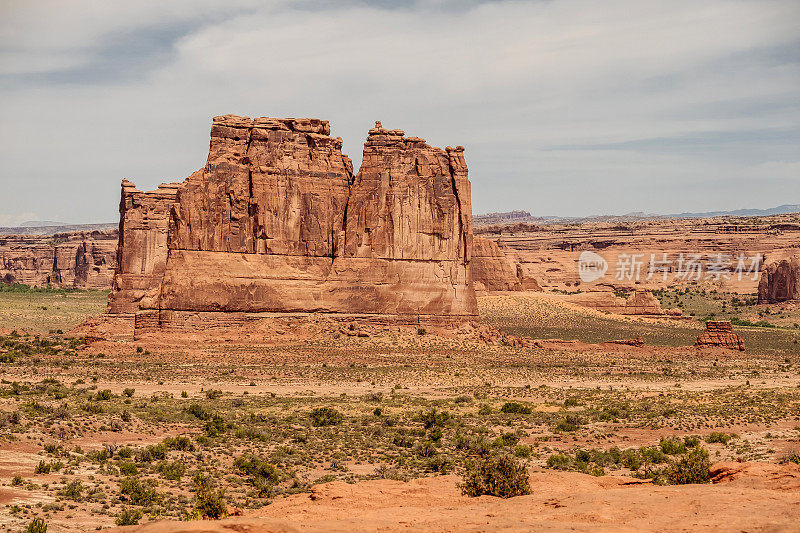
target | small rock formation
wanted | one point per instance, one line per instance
(277, 222)
(638, 303)
(83, 260)
(780, 281)
(720, 334)
(494, 269)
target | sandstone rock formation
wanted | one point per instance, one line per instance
(277, 222)
(720, 335)
(780, 281)
(83, 260)
(494, 268)
(638, 303)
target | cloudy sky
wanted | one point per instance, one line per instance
(568, 107)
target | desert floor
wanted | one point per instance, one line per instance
(303, 424)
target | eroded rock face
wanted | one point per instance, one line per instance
(142, 249)
(83, 260)
(276, 222)
(494, 268)
(720, 335)
(780, 282)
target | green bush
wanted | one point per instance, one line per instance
(500, 476)
(138, 493)
(559, 461)
(73, 490)
(42, 468)
(127, 468)
(569, 423)
(103, 395)
(515, 408)
(326, 416)
(720, 437)
(198, 412)
(128, 392)
(216, 426)
(172, 471)
(37, 525)
(672, 446)
(129, 517)
(181, 442)
(263, 475)
(433, 418)
(691, 468)
(209, 503)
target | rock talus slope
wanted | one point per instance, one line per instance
(277, 222)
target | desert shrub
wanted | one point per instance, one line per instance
(571, 402)
(425, 449)
(213, 394)
(198, 412)
(73, 490)
(672, 446)
(128, 392)
(137, 492)
(500, 475)
(153, 452)
(172, 471)
(216, 426)
(181, 442)
(37, 525)
(125, 452)
(507, 439)
(42, 468)
(569, 423)
(691, 468)
(438, 463)
(16, 481)
(523, 450)
(791, 457)
(263, 475)
(720, 437)
(209, 503)
(691, 441)
(559, 461)
(433, 418)
(652, 455)
(631, 459)
(128, 517)
(128, 469)
(103, 395)
(326, 416)
(515, 408)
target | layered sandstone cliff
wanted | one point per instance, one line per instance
(84, 260)
(780, 281)
(494, 268)
(277, 222)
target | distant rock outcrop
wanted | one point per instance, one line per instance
(780, 281)
(720, 335)
(494, 268)
(84, 260)
(638, 303)
(277, 222)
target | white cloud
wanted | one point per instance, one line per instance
(690, 87)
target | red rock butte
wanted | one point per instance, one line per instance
(276, 222)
